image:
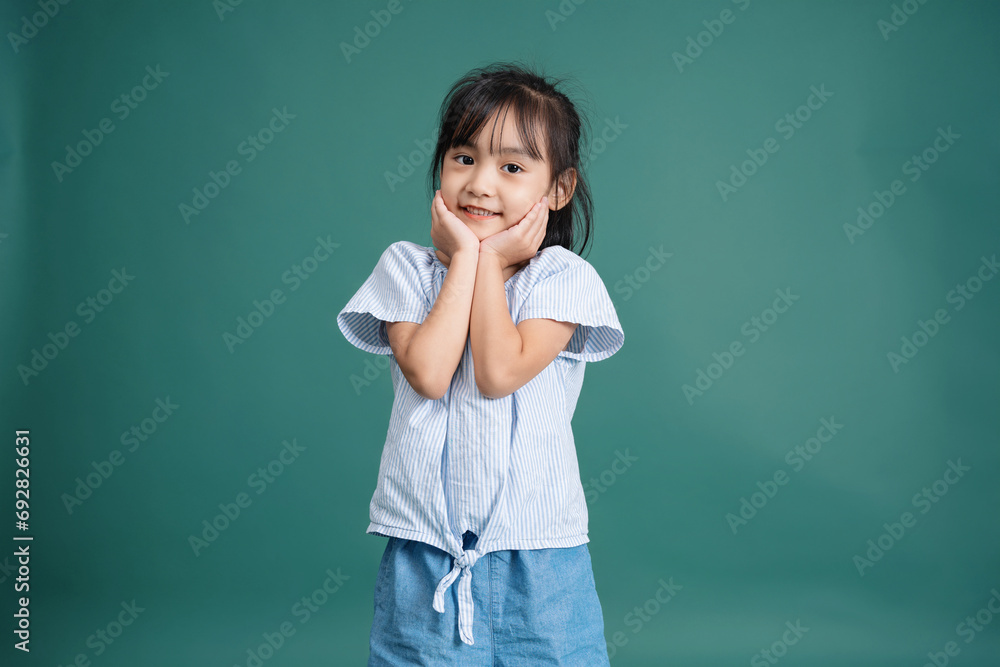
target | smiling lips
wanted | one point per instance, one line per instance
(478, 212)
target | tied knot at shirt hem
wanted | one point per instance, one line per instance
(463, 565)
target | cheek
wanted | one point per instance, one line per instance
(446, 175)
(524, 208)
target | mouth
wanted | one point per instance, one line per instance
(479, 213)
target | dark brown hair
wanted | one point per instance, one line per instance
(540, 109)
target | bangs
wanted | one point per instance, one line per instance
(477, 108)
(550, 131)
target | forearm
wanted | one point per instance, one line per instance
(494, 338)
(436, 347)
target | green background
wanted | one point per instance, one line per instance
(655, 185)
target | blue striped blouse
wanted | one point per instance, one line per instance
(506, 468)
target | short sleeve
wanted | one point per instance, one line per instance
(392, 293)
(576, 293)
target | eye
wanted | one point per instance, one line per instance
(460, 157)
(515, 167)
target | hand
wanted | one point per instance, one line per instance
(520, 241)
(448, 233)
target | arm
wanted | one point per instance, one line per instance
(428, 353)
(506, 356)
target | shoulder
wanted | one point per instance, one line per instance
(560, 263)
(406, 255)
(408, 250)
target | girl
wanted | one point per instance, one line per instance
(488, 334)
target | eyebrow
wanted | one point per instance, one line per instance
(504, 150)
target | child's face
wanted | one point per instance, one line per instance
(507, 184)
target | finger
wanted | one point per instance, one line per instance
(540, 232)
(531, 218)
(442, 210)
(540, 215)
(543, 224)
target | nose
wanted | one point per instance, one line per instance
(481, 181)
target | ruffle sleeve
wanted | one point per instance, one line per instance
(392, 293)
(576, 293)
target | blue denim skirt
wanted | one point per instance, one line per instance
(532, 607)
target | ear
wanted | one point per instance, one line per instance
(562, 190)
